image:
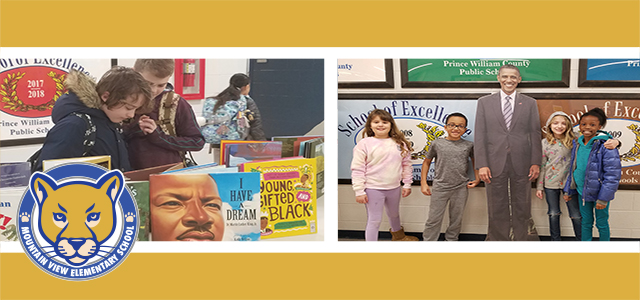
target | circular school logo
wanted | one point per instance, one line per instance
(77, 221)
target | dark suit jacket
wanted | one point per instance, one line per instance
(492, 140)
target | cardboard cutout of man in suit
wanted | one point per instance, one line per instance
(508, 155)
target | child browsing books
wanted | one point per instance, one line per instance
(594, 174)
(115, 98)
(163, 134)
(380, 160)
(451, 183)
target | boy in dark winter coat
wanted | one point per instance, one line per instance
(162, 136)
(112, 100)
(594, 174)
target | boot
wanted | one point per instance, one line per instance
(400, 236)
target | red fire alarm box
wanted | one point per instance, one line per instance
(189, 78)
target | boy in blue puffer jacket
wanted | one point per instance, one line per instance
(595, 174)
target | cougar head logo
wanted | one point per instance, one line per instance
(77, 217)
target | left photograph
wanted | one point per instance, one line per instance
(211, 149)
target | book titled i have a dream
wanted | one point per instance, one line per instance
(205, 206)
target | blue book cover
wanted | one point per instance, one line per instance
(14, 174)
(195, 169)
(242, 153)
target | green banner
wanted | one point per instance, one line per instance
(481, 70)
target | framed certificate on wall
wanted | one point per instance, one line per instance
(482, 73)
(609, 73)
(365, 73)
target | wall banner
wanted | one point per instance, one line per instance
(421, 121)
(28, 90)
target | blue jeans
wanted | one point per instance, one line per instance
(601, 217)
(554, 196)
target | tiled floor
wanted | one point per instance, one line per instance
(350, 235)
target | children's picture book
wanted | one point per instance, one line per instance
(291, 144)
(223, 148)
(103, 160)
(143, 174)
(205, 207)
(310, 147)
(140, 192)
(14, 174)
(9, 200)
(316, 150)
(287, 196)
(246, 152)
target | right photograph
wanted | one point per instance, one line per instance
(488, 149)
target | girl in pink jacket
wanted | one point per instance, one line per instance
(380, 160)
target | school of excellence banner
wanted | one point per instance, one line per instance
(613, 69)
(623, 123)
(481, 70)
(421, 121)
(30, 87)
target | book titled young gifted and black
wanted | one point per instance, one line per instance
(287, 194)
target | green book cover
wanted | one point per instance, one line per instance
(316, 150)
(140, 191)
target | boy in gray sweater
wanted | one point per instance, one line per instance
(450, 183)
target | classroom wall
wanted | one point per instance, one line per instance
(288, 87)
(624, 211)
